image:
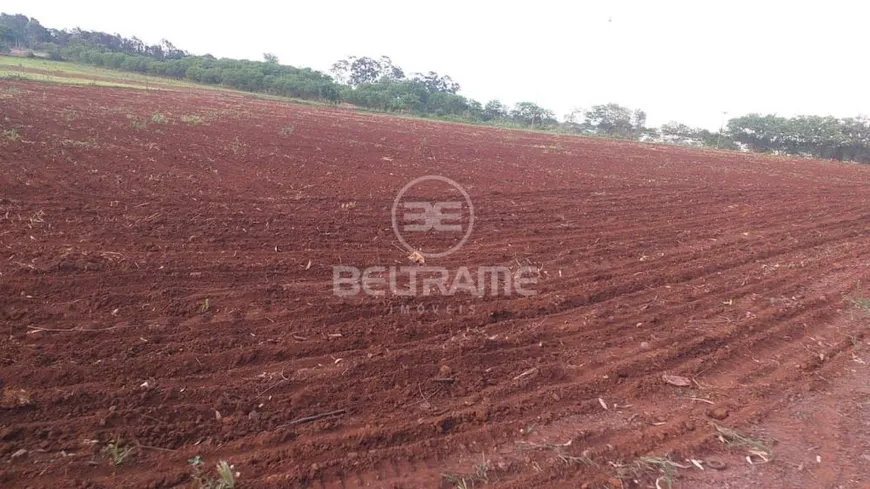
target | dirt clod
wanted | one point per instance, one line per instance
(445, 372)
(719, 413)
(15, 398)
(676, 380)
(417, 258)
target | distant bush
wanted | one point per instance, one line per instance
(250, 76)
(51, 49)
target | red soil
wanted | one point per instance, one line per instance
(153, 277)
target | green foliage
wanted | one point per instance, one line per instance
(11, 135)
(436, 83)
(809, 136)
(138, 124)
(22, 32)
(494, 110)
(118, 453)
(678, 133)
(355, 71)
(859, 300)
(50, 49)
(531, 115)
(381, 85)
(192, 120)
(763, 134)
(251, 76)
(158, 118)
(367, 82)
(226, 478)
(411, 96)
(615, 121)
(7, 34)
(164, 59)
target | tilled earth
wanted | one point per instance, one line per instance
(166, 285)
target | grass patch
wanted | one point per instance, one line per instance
(137, 123)
(11, 135)
(859, 301)
(559, 449)
(755, 446)
(25, 76)
(192, 120)
(468, 481)
(664, 466)
(664, 469)
(862, 303)
(226, 478)
(237, 147)
(69, 115)
(158, 118)
(458, 481)
(58, 69)
(118, 453)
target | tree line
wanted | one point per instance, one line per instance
(379, 84)
(164, 59)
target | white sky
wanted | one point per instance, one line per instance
(677, 60)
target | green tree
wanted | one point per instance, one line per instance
(474, 111)
(856, 134)
(7, 35)
(364, 70)
(15, 29)
(530, 114)
(678, 133)
(820, 137)
(356, 71)
(437, 83)
(763, 134)
(389, 71)
(494, 110)
(614, 120)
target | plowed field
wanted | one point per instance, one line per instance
(166, 285)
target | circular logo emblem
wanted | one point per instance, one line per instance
(440, 211)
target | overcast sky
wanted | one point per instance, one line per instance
(678, 60)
